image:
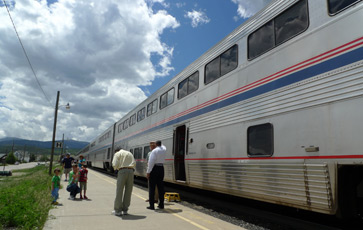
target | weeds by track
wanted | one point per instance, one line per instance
(25, 199)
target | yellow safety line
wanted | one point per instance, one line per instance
(187, 220)
(174, 214)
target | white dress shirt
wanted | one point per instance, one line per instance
(157, 156)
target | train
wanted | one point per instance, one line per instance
(273, 112)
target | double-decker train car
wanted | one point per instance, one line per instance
(273, 112)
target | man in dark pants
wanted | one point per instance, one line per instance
(67, 165)
(155, 174)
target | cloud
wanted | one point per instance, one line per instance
(247, 8)
(96, 53)
(197, 17)
(180, 4)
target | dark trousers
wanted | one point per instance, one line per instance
(73, 189)
(156, 179)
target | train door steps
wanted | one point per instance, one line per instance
(172, 196)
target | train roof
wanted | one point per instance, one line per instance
(261, 17)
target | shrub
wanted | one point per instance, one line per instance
(11, 159)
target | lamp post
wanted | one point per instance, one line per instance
(54, 131)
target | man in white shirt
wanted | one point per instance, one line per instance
(124, 162)
(156, 196)
(155, 174)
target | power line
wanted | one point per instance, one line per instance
(26, 55)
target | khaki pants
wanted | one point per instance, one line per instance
(125, 182)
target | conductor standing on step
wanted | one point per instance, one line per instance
(155, 174)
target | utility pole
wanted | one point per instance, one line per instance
(23, 153)
(54, 131)
(62, 145)
(12, 148)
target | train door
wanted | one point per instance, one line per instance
(179, 152)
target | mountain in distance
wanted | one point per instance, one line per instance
(71, 144)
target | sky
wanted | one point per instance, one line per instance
(105, 57)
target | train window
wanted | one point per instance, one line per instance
(212, 71)
(210, 146)
(336, 6)
(261, 40)
(141, 114)
(152, 107)
(290, 23)
(260, 140)
(188, 85)
(119, 127)
(149, 109)
(133, 119)
(163, 100)
(138, 153)
(183, 88)
(132, 151)
(155, 106)
(171, 94)
(108, 153)
(221, 65)
(126, 124)
(193, 82)
(229, 60)
(146, 151)
(167, 98)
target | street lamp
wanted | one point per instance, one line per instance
(54, 130)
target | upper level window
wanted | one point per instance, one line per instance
(290, 23)
(152, 107)
(105, 136)
(336, 6)
(167, 98)
(188, 85)
(229, 60)
(261, 40)
(119, 127)
(126, 124)
(260, 140)
(133, 119)
(221, 65)
(141, 114)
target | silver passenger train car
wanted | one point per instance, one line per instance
(273, 112)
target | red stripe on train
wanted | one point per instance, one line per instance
(275, 158)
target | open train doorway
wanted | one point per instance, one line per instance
(179, 153)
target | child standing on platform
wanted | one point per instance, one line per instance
(83, 181)
(55, 186)
(81, 161)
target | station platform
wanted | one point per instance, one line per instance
(95, 213)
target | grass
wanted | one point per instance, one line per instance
(25, 199)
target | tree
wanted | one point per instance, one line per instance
(32, 157)
(11, 159)
(44, 158)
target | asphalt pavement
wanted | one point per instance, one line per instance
(19, 166)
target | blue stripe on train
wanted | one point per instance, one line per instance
(331, 64)
(334, 63)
